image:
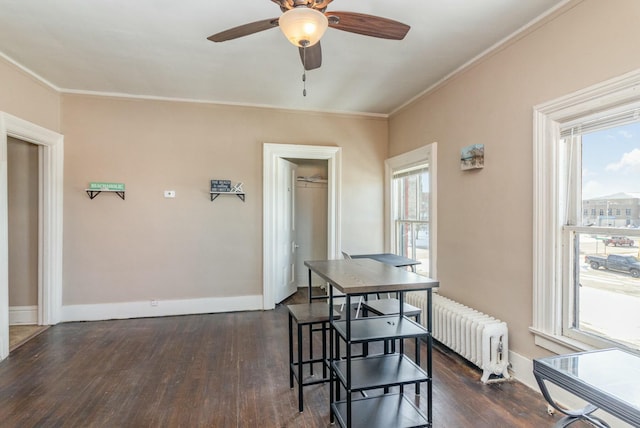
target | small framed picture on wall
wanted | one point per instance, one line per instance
(472, 157)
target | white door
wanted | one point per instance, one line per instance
(285, 284)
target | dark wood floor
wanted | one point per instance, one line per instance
(220, 370)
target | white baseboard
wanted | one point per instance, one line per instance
(107, 311)
(522, 370)
(23, 315)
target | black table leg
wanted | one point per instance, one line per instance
(300, 405)
(290, 351)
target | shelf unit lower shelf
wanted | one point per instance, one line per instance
(373, 329)
(384, 411)
(379, 371)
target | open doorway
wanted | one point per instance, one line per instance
(23, 178)
(50, 160)
(272, 153)
(311, 191)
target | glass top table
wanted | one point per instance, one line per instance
(608, 379)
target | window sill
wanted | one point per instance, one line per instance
(558, 344)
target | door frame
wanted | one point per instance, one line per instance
(271, 152)
(51, 156)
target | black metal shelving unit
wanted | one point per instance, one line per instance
(367, 379)
(363, 374)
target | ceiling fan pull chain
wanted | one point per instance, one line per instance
(304, 83)
(304, 71)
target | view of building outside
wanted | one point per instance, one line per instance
(411, 208)
(607, 286)
(617, 210)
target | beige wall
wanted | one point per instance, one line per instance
(485, 217)
(22, 181)
(27, 98)
(189, 247)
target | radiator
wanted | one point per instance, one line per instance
(478, 337)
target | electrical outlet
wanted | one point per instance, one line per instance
(169, 193)
(154, 302)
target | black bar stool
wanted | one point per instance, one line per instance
(316, 316)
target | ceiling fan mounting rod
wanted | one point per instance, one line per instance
(319, 5)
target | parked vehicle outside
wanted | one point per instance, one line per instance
(619, 241)
(617, 262)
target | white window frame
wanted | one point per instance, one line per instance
(552, 259)
(426, 154)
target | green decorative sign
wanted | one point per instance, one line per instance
(114, 187)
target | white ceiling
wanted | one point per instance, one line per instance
(159, 48)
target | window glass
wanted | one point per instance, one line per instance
(412, 200)
(606, 291)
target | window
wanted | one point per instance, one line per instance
(411, 207)
(605, 274)
(586, 273)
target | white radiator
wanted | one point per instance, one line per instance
(479, 338)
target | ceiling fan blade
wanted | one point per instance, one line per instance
(244, 30)
(311, 57)
(368, 25)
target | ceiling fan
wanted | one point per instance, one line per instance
(304, 23)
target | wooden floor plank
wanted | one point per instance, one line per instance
(218, 370)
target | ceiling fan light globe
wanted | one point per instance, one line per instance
(303, 26)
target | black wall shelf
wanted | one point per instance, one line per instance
(240, 195)
(95, 192)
